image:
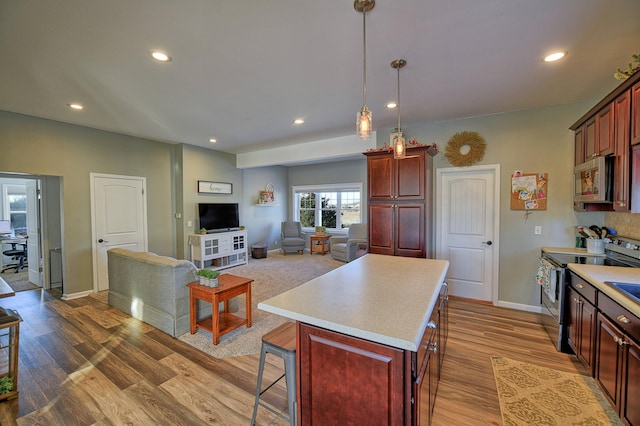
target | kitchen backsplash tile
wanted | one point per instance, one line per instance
(626, 224)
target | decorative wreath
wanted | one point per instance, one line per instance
(455, 146)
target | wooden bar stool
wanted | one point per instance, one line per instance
(281, 342)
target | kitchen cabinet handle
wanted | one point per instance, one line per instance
(623, 319)
(431, 324)
(620, 341)
(580, 286)
(434, 347)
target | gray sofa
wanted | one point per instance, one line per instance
(153, 289)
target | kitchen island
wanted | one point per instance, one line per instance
(368, 334)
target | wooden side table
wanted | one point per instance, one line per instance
(321, 243)
(220, 322)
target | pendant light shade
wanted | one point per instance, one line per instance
(364, 121)
(399, 146)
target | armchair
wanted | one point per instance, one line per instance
(344, 248)
(291, 237)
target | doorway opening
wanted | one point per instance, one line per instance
(31, 252)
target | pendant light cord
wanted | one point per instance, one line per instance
(364, 58)
(398, 68)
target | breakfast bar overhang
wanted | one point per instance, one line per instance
(367, 339)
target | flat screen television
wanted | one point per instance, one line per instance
(219, 216)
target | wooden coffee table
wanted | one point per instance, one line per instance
(220, 322)
(321, 243)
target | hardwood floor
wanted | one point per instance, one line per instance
(85, 363)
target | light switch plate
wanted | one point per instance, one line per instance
(537, 230)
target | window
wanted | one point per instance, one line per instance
(333, 206)
(15, 207)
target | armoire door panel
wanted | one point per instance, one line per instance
(380, 177)
(381, 223)
(410, 229)
(411, 177)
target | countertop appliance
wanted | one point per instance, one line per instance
(620, 251)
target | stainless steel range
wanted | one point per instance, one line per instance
(621, 251)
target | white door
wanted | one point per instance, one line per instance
(33, 232)
(119, 219)
(467, 230)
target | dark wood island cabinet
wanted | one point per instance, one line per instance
(368, 355)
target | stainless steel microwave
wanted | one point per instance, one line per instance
(593, 181)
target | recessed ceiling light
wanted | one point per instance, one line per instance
(555, 56)
(213, 140)
(392, 105)
(76, 106)
(160, 56)
(298, 121)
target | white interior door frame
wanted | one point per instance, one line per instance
(495, 238)
(118, 219)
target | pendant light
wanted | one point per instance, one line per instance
(364, 121)
(399, 147)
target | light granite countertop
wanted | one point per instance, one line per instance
(384, 299)
(571, 250)
(597, 275)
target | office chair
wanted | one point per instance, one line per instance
(17, 254)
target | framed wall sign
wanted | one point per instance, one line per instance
(207, 187)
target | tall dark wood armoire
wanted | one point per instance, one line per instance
(399, 202)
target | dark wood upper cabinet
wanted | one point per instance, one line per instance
(635, 114)
(611, 128)
(622, 160)
(606, 130)
(635, 179)
(590, 139)
(579, 146)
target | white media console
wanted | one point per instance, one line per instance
(219, 250)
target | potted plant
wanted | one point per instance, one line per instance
(208, 277)
(203, 231)
(6, 384)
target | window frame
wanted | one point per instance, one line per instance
(333, 187)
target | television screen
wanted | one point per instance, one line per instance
(219, 216)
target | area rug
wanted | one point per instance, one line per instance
(272, 275)
(19, 281)
(534, 395)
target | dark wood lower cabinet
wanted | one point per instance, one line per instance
(610, 358)
(630, 410)
(399, 229)
(614, 334)
(618, 370)
(582, 319)
(347, 380)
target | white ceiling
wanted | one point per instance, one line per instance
(243, 70)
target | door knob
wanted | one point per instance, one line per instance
(487, 242)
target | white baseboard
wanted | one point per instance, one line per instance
(520, 306)
(76, 295)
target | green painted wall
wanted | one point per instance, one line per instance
(43, 147)
(534, 141)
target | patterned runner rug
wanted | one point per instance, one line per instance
(534, 395)
(272, 275)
